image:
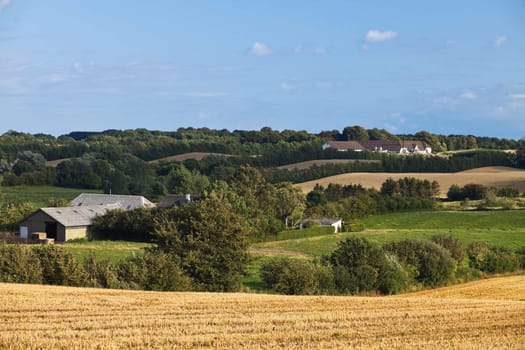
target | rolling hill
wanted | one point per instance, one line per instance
(51, 317)
(498, 177)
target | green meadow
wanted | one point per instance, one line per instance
(38, 195)
(499, 228)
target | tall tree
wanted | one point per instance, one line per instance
(209, 240)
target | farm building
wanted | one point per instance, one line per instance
(63, 224)
(391, 146)
(176, 200)
(125, 201)
(337, 224)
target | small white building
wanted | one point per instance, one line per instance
(337, 224)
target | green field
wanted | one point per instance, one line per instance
(38, 195)
(501, 228)
(113, 251)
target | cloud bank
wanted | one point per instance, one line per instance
(375, 36)
(3, 4)
(260, 49)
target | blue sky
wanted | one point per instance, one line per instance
(449, 67)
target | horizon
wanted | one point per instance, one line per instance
(447, 68)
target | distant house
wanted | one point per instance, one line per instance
(337, 224)
(391, 146)
(126, 202)
(63, 224)
(172, 200)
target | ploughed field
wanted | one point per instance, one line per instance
(49, 317)
(499, 177)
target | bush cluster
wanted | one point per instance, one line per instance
(360, 266)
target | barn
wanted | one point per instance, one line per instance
(65, 223)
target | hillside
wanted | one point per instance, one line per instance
(49, 317)
(499, 177)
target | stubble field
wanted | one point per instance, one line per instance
(499, 177)
(47, 317)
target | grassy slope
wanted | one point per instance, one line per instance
(38, 195)
(503, 228)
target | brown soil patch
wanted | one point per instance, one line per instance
(498, 177)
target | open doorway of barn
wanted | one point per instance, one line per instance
(51, 229)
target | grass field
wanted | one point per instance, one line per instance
(50, 317)
(502, 228)
(38, 195)
(498, 177)
(113, 251)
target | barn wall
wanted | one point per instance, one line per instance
(36, 222)
(76, 232)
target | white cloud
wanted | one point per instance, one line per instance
(374, 36)
(260, 49)
(469, 95)
(517, 96)
(4, 3)
(287, 87)
(500, 41)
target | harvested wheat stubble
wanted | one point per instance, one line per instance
(498, 177)
(47, 317)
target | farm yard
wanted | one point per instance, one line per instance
(498, 177)
(50, 317)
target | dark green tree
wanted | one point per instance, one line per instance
(209, 240)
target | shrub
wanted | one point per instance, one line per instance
(153, 270)
(354, 226)
(296, 277)
(18, 264)
(393, 278)
(521, 256)
(359, 265)
(101, 274)
(59, 267)
(433, 265)
(492, 259)
(453, 245)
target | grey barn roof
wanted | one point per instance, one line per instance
(79, 216)
(126, 202)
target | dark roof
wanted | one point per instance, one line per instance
(377, 145)
(178, 200)
(127, 202)
(346, 145)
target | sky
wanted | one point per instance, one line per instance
(447, 66)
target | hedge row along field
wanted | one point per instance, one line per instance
(45, 317)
